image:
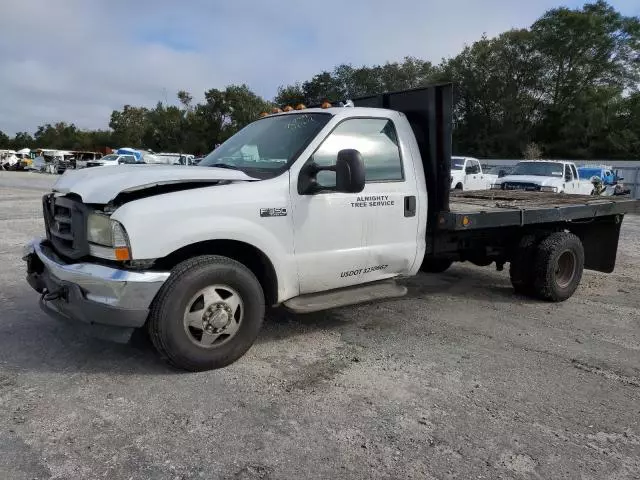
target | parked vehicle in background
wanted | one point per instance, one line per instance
(8, 160)
(64, 160)
(545, 176)
(467, 174)
(82, 158)
(176, 158)
(145, 156)
(334, 205)
(25, 159)
(115, 159)
(605, 180)
(604, 173)
(498, 171)
(130, 151)
(53, 161)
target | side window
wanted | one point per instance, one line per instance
(475, 166)
(567, 173)
(374, 138)
(575, 172)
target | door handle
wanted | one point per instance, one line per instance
(410, 206)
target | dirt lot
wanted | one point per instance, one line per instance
(459, 380)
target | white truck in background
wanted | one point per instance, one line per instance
(467, 175)
(552, 176)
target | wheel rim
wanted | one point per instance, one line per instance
(213, 316)
(565, 269)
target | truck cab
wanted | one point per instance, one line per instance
(467, 175)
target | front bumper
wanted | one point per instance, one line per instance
(89, 292)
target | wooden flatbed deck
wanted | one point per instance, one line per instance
(498, 208)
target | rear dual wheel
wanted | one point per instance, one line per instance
(551, 269)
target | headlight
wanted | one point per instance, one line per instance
(107, 238)
(549, 189)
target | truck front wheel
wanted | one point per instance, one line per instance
(207, 314)
(558, 266)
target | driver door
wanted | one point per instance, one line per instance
(343, 239)
(475, 178)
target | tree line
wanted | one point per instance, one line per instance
(566, 87)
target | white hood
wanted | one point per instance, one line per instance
(103, 184)
(535, 179)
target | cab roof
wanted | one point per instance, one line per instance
(342, 111)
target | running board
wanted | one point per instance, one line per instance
(342, 297)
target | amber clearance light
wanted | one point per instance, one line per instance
(122, 254)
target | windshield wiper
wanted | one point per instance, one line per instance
(225, 165)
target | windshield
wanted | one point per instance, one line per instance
(539, 169)
(266, 148)
(110, 157)
(457, 163)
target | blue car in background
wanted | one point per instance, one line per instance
(611, 182)
(606, 174)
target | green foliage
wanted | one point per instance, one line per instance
(565, 87)
(21, 140)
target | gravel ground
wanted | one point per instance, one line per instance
(460, 379)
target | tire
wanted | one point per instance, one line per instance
(521, 266)
(435, 265)
(558, 266)
(179, 300)
(459, 187)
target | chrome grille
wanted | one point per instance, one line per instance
(521, 186)
(66, 225)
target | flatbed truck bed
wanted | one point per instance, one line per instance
(499, 208)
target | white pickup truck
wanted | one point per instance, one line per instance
(328, 209)
(545, 176)
(467, 175)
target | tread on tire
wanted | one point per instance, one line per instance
(547, 284)
(166, 316)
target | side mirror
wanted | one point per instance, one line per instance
(350, 175)
(502, 173)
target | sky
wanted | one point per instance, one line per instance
(78, 60)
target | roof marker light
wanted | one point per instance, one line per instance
(300, 106)
(288, 108)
